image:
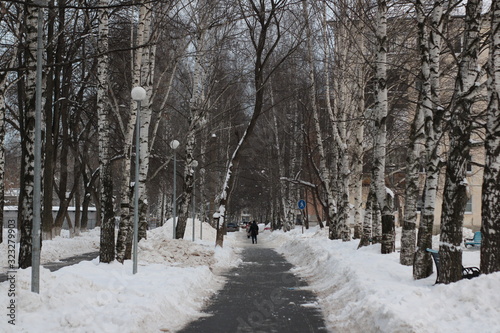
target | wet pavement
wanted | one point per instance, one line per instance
(261, 295)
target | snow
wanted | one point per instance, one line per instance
(173, 281)
(358, 290)
(365, 291)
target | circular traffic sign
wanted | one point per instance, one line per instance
(301, 204)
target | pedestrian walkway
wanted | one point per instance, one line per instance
(261, 295)
(54, 266)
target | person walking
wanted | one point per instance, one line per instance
(254, 231)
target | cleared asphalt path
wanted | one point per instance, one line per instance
(261, 295)
(54, 266)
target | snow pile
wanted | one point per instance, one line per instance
(173, 281)
(365, 291)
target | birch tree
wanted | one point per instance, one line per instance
(417, 141)
(455, 188)
(147, 77)
(490, 205)
(433, 116)
(124, 240)
(359, 123)
(107, 239)
(383, 196)
(27, 116)
(197, 109)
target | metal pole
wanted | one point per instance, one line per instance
(201, 224)
(136, 184)
(174, 208)
(35, 236)
(194, 212)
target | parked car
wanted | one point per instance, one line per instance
(232, 227)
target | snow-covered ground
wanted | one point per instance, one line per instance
(358, 290)
(365, 291)
(174, 278)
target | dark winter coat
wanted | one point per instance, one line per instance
(254, 229)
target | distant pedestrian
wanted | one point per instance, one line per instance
(254, 231)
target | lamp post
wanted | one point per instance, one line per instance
(37, 181)
(174, 144)
(194, 164)
(202, 213)
(138, 95)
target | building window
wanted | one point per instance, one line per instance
(469, 167)
(468, 205)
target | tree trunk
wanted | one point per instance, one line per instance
(384, 200)
(50, 151)
(196, 121)
(455, 188)
(422, 264)
(417, 140)
(25, 212)
(124, 239)
(107, 239)
(367, 235)
(490, 247)
(147, 74)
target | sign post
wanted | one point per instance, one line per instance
(302, 204)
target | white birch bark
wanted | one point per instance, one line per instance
(107, 240)
(417, 141)
(455, 188)
(147, 77)
(283, 198)
(358, 137)
(124, 240)
(490, 211)
(422, 266)
(25, 213)
(367, 232)
(383, 199)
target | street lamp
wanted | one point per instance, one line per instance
(138, 95)
(37, 181)
(194, 164)
(203, 211)
(174, 144)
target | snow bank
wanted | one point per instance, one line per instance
(174, 279)
(365, 291)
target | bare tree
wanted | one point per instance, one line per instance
(383, 195)
(433, 115)
(263, 20)
(107, 240)
(417, 140)
(27, 116)
(455, 188)
(490, 247)
(323, 170)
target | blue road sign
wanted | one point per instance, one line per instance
(301, 204)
